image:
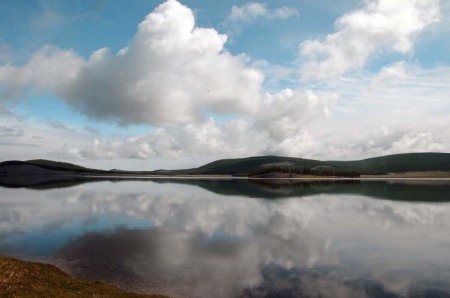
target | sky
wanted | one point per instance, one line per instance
(174, 84)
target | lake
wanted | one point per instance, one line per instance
(235, 238)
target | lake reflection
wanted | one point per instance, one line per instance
(233, 239)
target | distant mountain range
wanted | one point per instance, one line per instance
(408, 162)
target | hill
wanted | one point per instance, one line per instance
(397, 163)
(43, 167)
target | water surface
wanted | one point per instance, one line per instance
(237, 238)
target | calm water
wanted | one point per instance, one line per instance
(237, 239)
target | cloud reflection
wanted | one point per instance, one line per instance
(185, 264)
(183, 240)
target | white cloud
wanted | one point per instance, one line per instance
(279, 128)
(297, 123)
(287, 111)
(179, 77)
(290, 122)
(380, 25)
(47, 18)
(370, 141)
(421, 141)
(254, 10)
(49, 69)
(391, 74)
(199, 142)
(23, 138)
(401, 109)
(171, 73)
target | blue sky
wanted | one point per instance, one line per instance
(151, 84)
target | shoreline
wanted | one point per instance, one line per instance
(276, 176)
(23, 278)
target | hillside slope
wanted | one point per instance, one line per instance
(407, 162)
(43, 167)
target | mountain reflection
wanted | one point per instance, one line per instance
(184, 240)
(401, 190)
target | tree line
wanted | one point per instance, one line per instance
(307, 171)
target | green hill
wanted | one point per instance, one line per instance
(397, 163)
(43, 167)
(50, 164)
(243, 166)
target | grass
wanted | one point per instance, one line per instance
(29, 279)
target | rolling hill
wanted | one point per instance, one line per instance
(408, 162)
(43, 167)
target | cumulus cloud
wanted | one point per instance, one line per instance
(420, 141)
(238, 138)
(289, 110)
(380, 25)
(291, 122)
(254, 10)
(391, 74)
(172, 72)
(49, 69)
(279, 128)
(370, 141)
(22, 138)
(180, 77)
(210, 139)
(295, 123)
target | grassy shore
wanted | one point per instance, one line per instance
(29, 279)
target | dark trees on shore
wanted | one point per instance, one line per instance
(324, 171)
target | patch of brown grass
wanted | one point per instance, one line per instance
(29, 279)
